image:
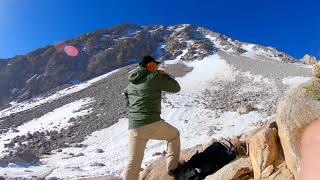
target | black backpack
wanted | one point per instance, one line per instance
(207, 162)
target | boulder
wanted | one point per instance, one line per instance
(307, 59)
(238, 169)
(26, 156)
(316, 70)
(281, 173)
(99, 151)
(264, 149)
(296, 111)
(52, 178)
(245, 109)
(156, 170)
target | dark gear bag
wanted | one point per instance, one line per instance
(207, 162)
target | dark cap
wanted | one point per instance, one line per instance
(146, 59)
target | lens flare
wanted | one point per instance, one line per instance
(71, 51)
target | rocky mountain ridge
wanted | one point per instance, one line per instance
(44, 69)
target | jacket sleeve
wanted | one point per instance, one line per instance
(164, 82)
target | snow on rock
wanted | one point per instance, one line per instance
(215, 41)
(254, 51)
(104, 37)
(55, 120)
(29, 104)
(179, 27)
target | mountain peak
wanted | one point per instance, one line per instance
(107, 49)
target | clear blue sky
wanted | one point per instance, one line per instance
(289, 25)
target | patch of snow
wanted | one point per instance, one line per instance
(34, 76)
(295, 81)
(132, 32)
(19, 171)
(211, 67)
(55, 120)
(247, 46)
(155, 30)
(29, 104)
(123, 38)
(251, 53)
(184, 52)
(214, 40)
(160, 49)
(181, 27)
(302, 65)
(258, 54)
(113, 141)
(174, 61)
(104, 37)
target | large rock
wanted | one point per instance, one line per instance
(157, 169)
(26, 156)
(316, 70)
(307, 59)
(281, 173)
(238, 169)
(244, 109)
(264, 149)
(295, 112)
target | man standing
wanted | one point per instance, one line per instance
(144, 94)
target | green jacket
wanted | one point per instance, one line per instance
(144, 94)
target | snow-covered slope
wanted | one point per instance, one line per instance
(192, 111)
(38, 101)
(55, 120)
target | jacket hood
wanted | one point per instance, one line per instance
(139, 75)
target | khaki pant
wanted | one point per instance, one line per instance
(138, 139)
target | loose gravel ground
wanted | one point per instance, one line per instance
(264, 96)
